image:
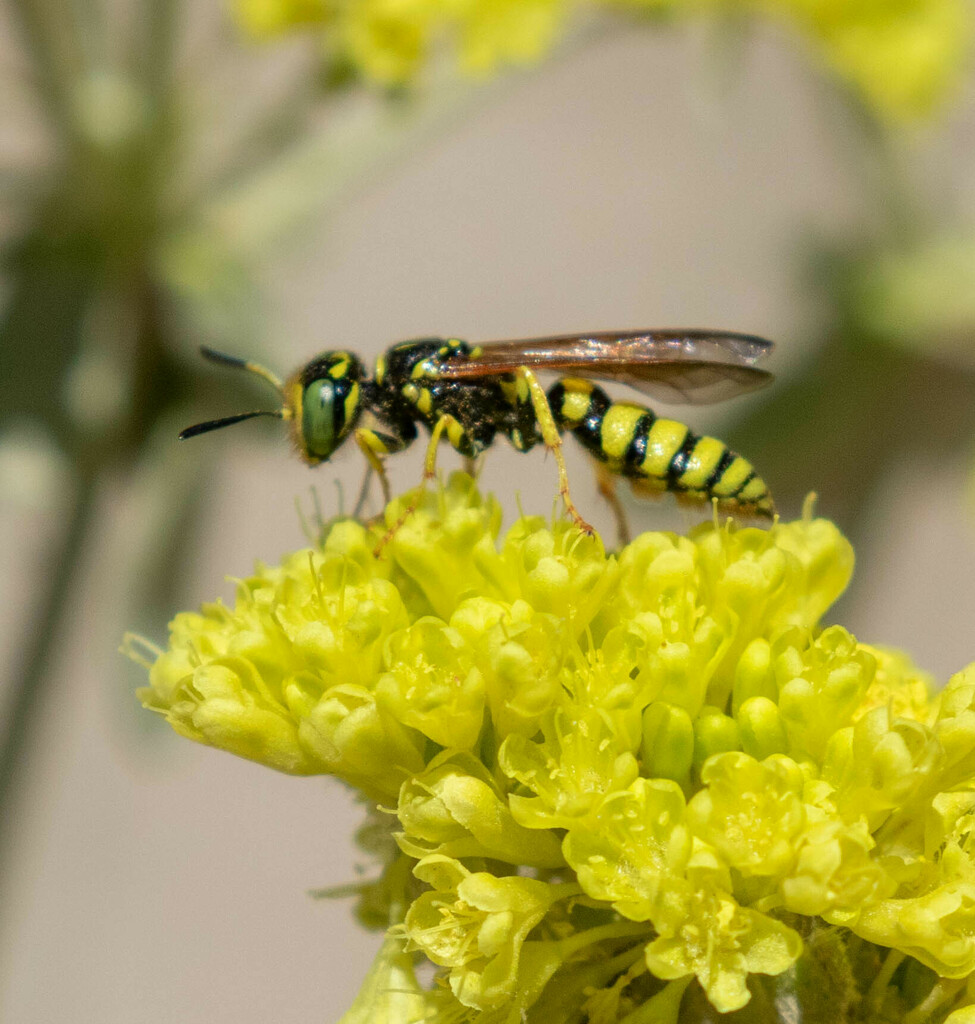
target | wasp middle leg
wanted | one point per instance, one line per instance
(465, 439)
(606, 485)
(552, 437)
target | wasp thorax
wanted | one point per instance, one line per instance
(327, 403)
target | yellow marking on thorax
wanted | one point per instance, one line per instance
(380, 369)
(702, 462)
(422, 368)
(664, 441)
(617, 429)
(515, 391)
(339, 370)
(732, 478)
(575, 400)
(420, 397)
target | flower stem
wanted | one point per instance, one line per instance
(876, 994)
(662, 1008)
(45, 632)
(49, 37)
(616, 930)
(941, 991)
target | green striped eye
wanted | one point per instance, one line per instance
(330, 403)
(318, 427)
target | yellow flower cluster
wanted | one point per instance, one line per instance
(616, 784)
(903, 56)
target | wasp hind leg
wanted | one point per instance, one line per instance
(606, 481)
(553, 441)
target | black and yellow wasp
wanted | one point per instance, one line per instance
(473, 393)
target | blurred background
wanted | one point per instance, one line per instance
(294, 175)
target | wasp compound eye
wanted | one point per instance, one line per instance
(319, 430)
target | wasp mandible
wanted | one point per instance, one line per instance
(471, 393)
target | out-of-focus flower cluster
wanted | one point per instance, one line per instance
(901, 55)
(616, 783)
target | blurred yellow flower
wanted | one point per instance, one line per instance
(902, 56)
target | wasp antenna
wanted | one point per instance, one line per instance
(227, 421)
(243, 364)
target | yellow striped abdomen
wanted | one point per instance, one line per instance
(657, 454)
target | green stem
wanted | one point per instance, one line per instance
(616, 930)
(161, 18)
(51, 42)
(662, 1008)
(44, 638)
(942, 990)
(875, 996)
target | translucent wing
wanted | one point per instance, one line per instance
(690, 366)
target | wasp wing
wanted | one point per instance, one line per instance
(690, 366)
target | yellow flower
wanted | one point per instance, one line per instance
(750, 811)
(902, 56)
(705, 932)
(475, 924)
(636, 843)
(615, 777)
(269, 17)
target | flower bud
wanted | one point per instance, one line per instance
(761, 727)
(753, 675)
(714, 733)
(454, 809)
(355, 740)
(559, 572)
(668, 742)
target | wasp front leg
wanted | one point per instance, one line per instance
(375, 446)
(445, 423)
(553, 441)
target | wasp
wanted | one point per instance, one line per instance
(471, 393)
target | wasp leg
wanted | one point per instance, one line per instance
(360, 502)
(374, 446)
(446, 423)
(606, 485)
(553, 441)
